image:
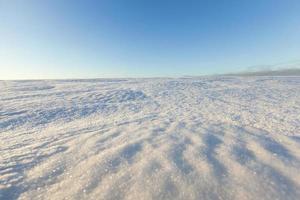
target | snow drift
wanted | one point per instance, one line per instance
(189, 138)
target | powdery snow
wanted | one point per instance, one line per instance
(188, 138)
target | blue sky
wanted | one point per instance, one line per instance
(139, 38)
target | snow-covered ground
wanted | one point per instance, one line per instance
(188, 138)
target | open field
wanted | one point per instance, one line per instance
(163, 138)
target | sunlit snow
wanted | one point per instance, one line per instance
(185, 138)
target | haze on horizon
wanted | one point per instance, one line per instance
(94, 39)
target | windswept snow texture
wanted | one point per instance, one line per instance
(190, 138)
